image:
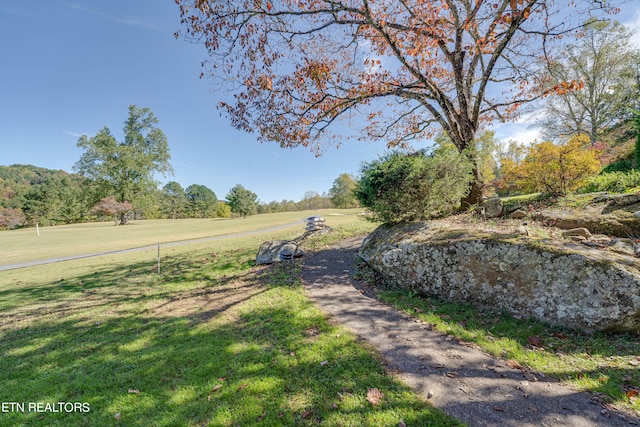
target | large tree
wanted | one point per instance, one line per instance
(242, 201)
(607, 65)
(126, 169)
(174, 199)
(296, 67)
(311, 200)
(202, 201)
(11, 218)
(109, 206)
(342, 192)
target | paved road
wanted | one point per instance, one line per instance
(148, 247)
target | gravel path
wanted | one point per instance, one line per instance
(464, 382)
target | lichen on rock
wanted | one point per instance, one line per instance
(560, 283)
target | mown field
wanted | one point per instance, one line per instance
(212, 340)
(17, 246)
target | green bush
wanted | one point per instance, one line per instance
(613, 182)
(401, 187)
(623, 165)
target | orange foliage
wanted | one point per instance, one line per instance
(295, 68)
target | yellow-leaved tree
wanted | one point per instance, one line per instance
(553, 168)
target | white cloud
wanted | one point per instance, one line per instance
(524, 130)
(75, 134)
(132, 22)
(525, 136)
(530, 118)
(630, 16)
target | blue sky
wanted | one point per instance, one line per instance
(71, 67)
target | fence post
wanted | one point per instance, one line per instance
(158, 257)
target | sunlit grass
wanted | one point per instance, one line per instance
(17, 246)
(211, 340)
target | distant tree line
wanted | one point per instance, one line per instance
(115, 180)
(31, 194)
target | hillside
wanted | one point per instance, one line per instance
(17, 180)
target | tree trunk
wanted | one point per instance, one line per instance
(475, 191)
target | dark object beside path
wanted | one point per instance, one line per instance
(462, 381)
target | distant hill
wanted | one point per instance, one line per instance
(17, 180)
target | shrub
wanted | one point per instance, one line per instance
(223, 210)
(401, 187)
(613, 182)
(623, 165)
(11, 218)
(552, 168)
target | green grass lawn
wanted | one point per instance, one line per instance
(212, 340)
(17, 246)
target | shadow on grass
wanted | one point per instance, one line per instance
(145, 349)
(132, 286)
(160, 371)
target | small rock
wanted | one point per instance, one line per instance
(270, 251)
(601, 199)
(493, 207)
(578, 238)
(530, 376)
(636, 214)
(626, 199)
(429, 394)
(522, 230)
(600, 238)
(577, 232)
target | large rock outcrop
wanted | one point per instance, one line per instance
(616, 214)
(558, 282)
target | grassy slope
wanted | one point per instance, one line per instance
(211, 341)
